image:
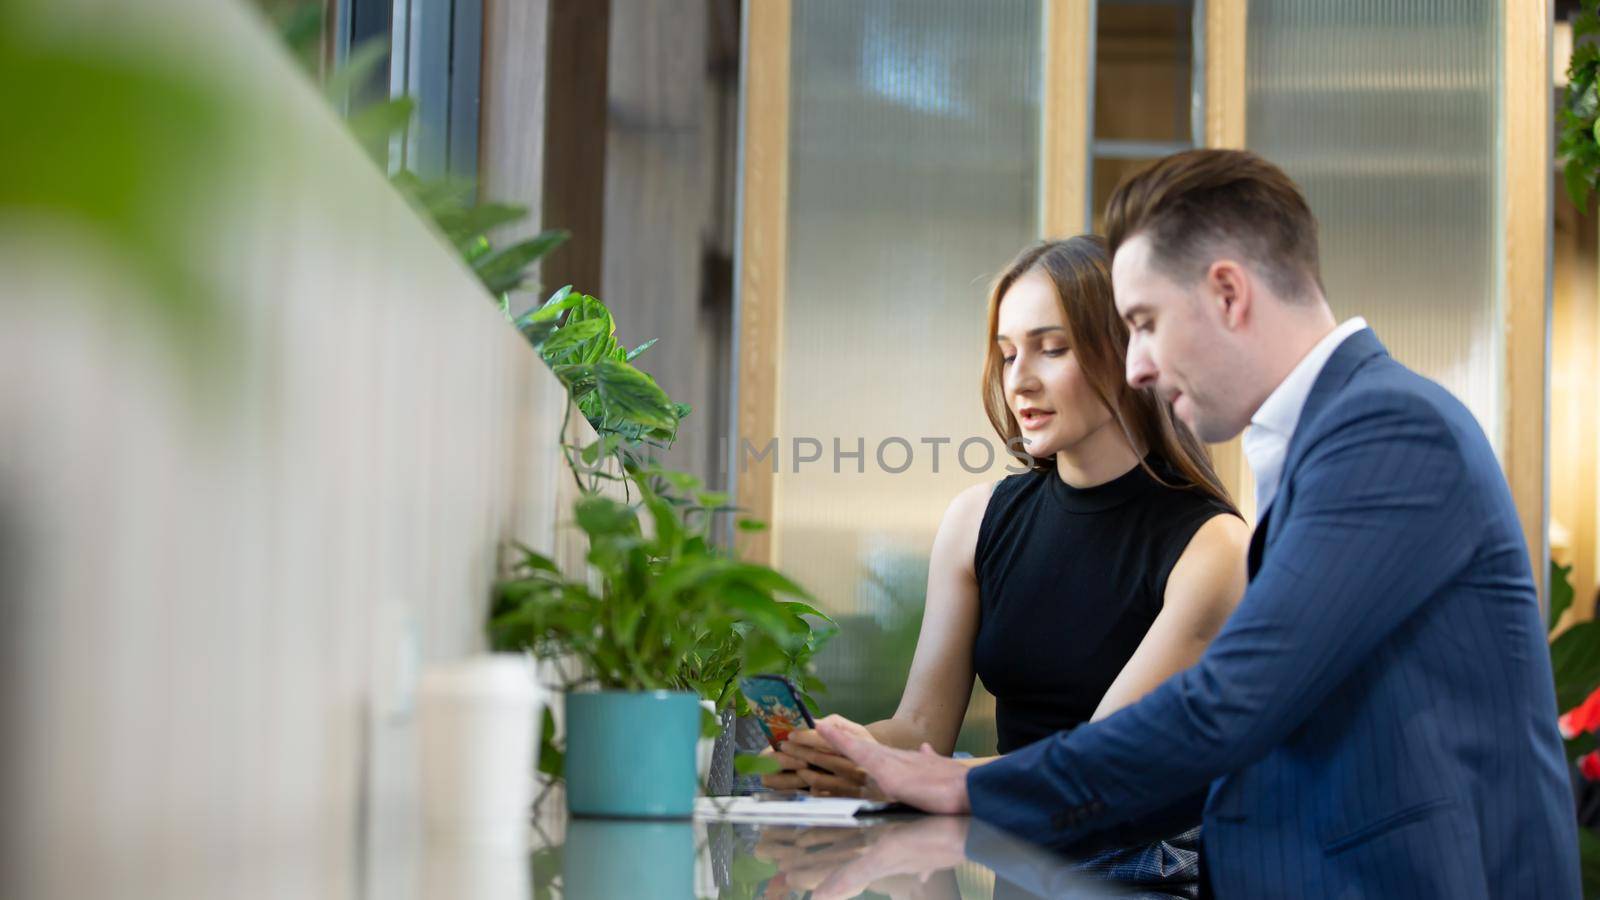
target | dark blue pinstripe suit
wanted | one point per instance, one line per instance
(1377, 718)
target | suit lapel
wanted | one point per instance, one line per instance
(1346, 359)
(1355, 350)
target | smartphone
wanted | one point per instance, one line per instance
(778, 706)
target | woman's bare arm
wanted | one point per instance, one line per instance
(1202, 590)
(939, 685)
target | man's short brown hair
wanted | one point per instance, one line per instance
(1200, 204)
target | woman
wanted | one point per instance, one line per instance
(1073, 589)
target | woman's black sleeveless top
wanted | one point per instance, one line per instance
(1069, 581)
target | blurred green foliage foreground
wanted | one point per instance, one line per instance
(120, 148)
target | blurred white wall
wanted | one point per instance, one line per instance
(220, 570)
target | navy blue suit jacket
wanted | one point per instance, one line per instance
(1377, 718)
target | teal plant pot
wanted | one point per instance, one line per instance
(631, 754)
(634, 859)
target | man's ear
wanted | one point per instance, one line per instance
(1228, 285)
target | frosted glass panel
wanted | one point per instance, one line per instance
(1385, 113)
(913, 178)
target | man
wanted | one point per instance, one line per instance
(1377, 718)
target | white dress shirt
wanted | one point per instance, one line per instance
(1266, 441)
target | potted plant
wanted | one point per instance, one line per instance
(671, 618)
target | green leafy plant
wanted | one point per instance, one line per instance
(130, 150)
(1579, 117)
(1574, 656)
(617, 398)
(574, 332)
(450, 203)
(576, 336)
(672, 610)
(1575, 659)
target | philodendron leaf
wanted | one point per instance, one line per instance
(533, 559)
(635, 352)
(763, 654)
(1585, 22)
(576, 376)
(683, 481)
(439, 196)
(606, 348)
(630, 394)
(465, 227)
(502, 271)
(751, 764)
(552, 760)
(806, 609)
(1560, 591)
(1578, 746)
(1584, 100)
(1575, 657)
(571, 336)
(374, 125)
(665, 518)
(548, 315)
(598, 515)
(1576, 177)
(358, 68)
(537, 332)
(551, 310)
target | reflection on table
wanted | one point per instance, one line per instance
(895, 856)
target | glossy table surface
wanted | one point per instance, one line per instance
(904, 856)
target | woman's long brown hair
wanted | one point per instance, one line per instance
(1098, 338)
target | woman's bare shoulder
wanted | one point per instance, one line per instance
(966, 510)
(957, 540)
(1224, 534)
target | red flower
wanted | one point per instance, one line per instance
(1589, 765)
(1586, 717)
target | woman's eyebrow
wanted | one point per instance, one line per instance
(1033, 332)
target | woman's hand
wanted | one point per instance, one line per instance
(810, 763)
(787, 780)
(826, 772)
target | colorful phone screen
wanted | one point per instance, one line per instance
(778, 708)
